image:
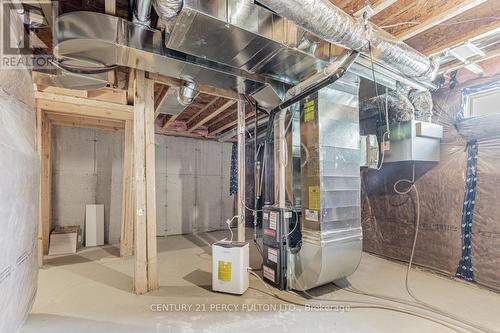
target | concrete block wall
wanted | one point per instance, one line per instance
(192, 178)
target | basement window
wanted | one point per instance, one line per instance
(481, 102)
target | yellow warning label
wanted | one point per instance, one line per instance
(309, 110)
(224, 271)
(314, 201)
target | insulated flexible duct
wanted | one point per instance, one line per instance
(168, 9)
(330, 23)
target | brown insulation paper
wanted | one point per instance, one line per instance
(389, 219)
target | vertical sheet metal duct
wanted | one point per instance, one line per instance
(332, 24)
(330, 185)
(142, 12)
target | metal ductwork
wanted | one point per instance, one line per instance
(178, 99)
(142, 12)
(167, 9)
(230, 44)
(330, 186)
(85, 37)
(326, 21)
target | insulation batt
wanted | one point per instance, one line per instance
(19, 180)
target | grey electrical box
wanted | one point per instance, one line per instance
(414, 141)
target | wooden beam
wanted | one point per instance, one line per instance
(241, 170)
(61, 91)
(83, 107)
(146, 270)
(229, 125)
(461, 28)
(39, 145)
(111, 95)
(117, 96)
(205, 108)
(150, 149)
(202, 88)
(160, 99)
(110, 7)
(84, 122)
(211, 116)
(128, 204)
(140, 239)
(130, 86)
(438, 15)
(45, 179)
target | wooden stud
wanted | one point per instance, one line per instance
(150, 185)
(241, 170)
(45, 182)
(39, 132)
(160, 99)
(140, 239)
(128, 204)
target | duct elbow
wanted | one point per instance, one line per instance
(187, 93)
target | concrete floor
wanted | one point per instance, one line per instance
(91, 292)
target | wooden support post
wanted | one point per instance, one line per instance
(128, 212)
(140, 239)
(146, 270)
(150, 149)
(45, 182)
(39, 120)
(241, 170)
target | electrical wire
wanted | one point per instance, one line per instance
(412, 254)
(352, 304)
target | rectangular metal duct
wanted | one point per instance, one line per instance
(84, 37)
(330, 183)
(249, 37)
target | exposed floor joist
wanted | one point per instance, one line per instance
(210, 116)
(440, 15)
(463, 27)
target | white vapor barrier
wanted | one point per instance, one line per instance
(19, 186)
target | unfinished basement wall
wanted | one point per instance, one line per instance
(19, 187)
(389, 219)
(87, 168)
(192, 178)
